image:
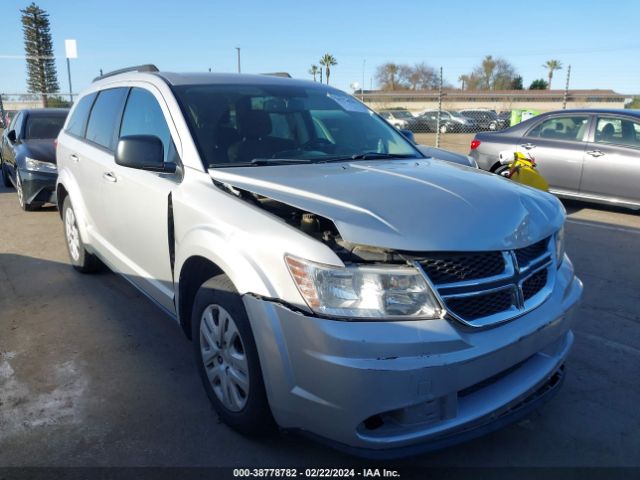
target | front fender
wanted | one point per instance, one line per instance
(69, 183)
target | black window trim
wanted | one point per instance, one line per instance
(585, 138)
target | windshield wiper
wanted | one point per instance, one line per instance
(368, 156)
(258, 162)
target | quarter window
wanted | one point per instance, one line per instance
(143, 116)
(105, 116)
(571, 128)
(618, 131)
(78, 120)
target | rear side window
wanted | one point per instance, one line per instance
(78, 119)
(561, 128)
(105, 117)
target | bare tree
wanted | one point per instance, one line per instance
(387, 76)
(492, 74)
(419, 77)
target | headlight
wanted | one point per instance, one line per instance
(38, 166)
(559, 245)
(364, 291)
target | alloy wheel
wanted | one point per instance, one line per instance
(19, 190)
(73, 235)
(224, 357)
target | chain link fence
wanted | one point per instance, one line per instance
(449, 118)
(10, 103)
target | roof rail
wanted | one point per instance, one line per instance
(277, 74)
(138, 68)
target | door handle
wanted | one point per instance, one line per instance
(109, 177)
(74, 157)
(528, 146)
(595, 153)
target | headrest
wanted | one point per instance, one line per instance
(255, 123)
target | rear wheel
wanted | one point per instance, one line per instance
(227, 358)
(81, 260)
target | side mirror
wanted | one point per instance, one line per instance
(408, 134)
(11, 135)
(144, 152)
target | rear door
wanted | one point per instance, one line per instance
(612, 160)
(9, 152)
(557, 145)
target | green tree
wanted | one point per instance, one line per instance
(539, 84)
(551, 66)
(314, 70)
(464, 81)
(42, 76)
(328, 61)
(516, 83)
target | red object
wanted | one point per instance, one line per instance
(55, 143)
(475, 144)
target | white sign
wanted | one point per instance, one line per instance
(71, 49)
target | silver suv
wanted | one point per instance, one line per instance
(333, 279)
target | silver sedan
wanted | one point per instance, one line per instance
(586, 154)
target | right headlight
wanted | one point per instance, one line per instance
(364, 292)
(559, 239)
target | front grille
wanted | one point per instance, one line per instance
(534, 284)
(484, 305)
(458, 267)
(528, 254)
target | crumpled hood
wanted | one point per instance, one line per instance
(43, 150)
(413, 205)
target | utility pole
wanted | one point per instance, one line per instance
(364, 63)
(439, 110)
(238, 49)
(71, 51)
(566, 89)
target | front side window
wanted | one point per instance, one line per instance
(235, 124)
(17, 125)
(618, 131)
(143, 116)
(561, 128)
(43, 127)
(105, 116)
(78, 119)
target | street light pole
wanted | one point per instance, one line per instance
(69, 75)
(71, 51)
(238, 49)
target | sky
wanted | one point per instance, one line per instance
(597, 38)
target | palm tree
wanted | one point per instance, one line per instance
(464, 79)
(328, 61)
(552, 65)
(314, 70)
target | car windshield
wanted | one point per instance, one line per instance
(40, 127)
(402, 114)
(246, 124)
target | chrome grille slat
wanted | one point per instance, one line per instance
(487, 290)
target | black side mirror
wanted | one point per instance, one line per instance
(11, 135)
(144, 152)
(408, 134)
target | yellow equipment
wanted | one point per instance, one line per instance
(522, 169)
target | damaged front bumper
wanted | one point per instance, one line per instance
(389, 389)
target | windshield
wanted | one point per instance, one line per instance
(40, 127)
(237, 124)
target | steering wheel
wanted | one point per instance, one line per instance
(316, 143)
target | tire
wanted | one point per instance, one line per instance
(27, 207)
(502, 170)
(227, 358)
(5, 177)
(81, 260)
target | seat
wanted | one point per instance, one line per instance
(255, 127)
(608, 133)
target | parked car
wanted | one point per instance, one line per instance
(398, 118)
(426, 123)
(504, 119)
(28, 159)
(449, 121)
(585, 154)
(486, 119)
(333, 279)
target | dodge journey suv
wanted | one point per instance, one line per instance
(333, 279)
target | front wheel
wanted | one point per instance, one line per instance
(443, 129)
(81, 260)
(227, 358)
(27, 207)
(502, 170)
